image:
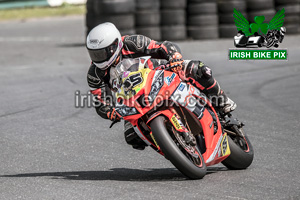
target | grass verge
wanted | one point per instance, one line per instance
(39, 12)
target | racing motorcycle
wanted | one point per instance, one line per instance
(177, 120)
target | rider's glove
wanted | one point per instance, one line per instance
(176, 62)
(113, 116)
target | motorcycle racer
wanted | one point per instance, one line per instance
(107, 48)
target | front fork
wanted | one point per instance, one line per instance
(176, 121)
(182, 129)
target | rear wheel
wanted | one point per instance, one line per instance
(241, 149)
(186, 158)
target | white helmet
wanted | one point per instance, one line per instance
(104, 43)
(283, 30)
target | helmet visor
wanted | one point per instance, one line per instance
(104, 54)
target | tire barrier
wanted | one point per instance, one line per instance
(292, 15)
(202, 22)
(227, 28)
(173, 19)
(187, 19)
(119, 12)
(147, 18)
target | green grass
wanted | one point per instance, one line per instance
(39, 12)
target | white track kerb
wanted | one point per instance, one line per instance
(60, 2)
(37, 3)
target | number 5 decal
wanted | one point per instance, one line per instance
(133, 81)
(136, 79)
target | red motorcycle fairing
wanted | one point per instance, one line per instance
(172, 86)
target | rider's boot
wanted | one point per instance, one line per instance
(219, 99)
(132, 138)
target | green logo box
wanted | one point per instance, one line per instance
(262, 54)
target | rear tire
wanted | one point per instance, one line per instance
(173, 153)
(239, 158)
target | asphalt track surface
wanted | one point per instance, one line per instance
(51, 150)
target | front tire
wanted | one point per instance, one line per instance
(241, 155)
(173, 153)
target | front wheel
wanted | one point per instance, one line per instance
(190, 164)
(241, 149)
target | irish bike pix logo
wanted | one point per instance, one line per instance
(258, 40)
